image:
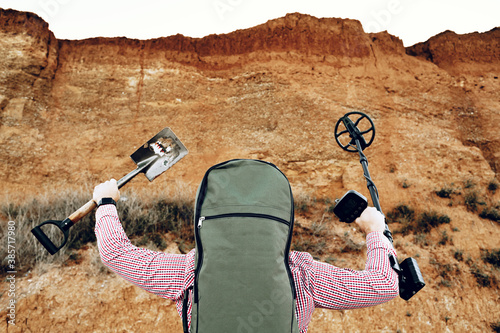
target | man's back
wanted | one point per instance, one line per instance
(317, 284)
(314, 284)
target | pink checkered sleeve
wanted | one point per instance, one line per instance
(163, 274)
(327, 286)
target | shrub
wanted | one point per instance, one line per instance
(404, 215)
(445, 238)
(429, 220)
(445, 192)
(490, 213)
(492, 257)
(445, 271)
(493, 186)
(29, 252)
(302, 203)
(312, 240)
(469, 183)
(471, 200)
(158, 217)
(139, 218)
(350, 245)
(172, 216)
(423, 224)
(495, 327)
(421, 239)
(459, 255)
(158, 241)
(483, 279)
(331, 260)
(312, 246)
(401, 213)
(445, 283)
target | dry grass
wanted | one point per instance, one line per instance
(145, 218)
(28, 251)
(410, 222)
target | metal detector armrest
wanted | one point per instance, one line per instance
(63, 225)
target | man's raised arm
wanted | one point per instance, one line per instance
(342, 288)
(156, 272)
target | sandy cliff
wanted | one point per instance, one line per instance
(72, 111)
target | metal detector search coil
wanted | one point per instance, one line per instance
(348, 132)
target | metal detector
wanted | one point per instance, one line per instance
(153, 158)
(349, 135)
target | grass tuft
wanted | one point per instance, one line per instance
(491, 257)
(490, 213)
(495, 326)
(493, 186)
(410, 223)
(141, 218)
(445, 191)
(429, 220)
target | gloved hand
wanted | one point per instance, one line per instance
(108, 189)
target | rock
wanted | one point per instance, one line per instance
(474, 53)
(72, 111)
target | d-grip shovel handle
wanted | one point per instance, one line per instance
(63, 225)
(68, 222)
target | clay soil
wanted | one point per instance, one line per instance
(72, 111)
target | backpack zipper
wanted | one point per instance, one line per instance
(256, 215)
(212, 217)
(200, 221)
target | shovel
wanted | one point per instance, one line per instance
(153, 158)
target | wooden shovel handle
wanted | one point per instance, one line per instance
(83, 211)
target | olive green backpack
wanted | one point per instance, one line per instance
(243, 229)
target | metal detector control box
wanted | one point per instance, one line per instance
(350, 206)
(410, 279)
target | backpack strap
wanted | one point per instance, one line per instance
(185, 324)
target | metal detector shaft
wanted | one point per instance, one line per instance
(371, 187)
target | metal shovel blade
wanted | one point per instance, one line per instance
(164, 149)
(153, 158)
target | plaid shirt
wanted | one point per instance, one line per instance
(318, 285)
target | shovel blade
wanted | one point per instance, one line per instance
(164, 149)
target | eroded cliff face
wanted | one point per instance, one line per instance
(474, 53)
(273, 91)
(29, 61)
(473, 59)
(73, 111)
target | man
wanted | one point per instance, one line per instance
(317, 284)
